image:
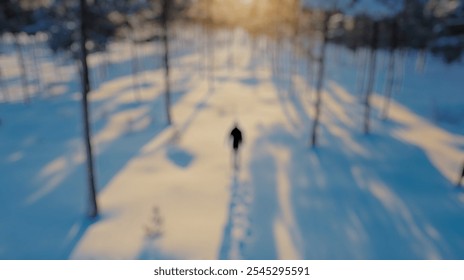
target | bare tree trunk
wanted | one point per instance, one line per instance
(391, 70)
(134, 65)
(212, 63)
(400, 70)
(320, 81)
(205, 62)
(93, 208)
(230, 48)
(389, 86)
(36, 65)
(309, 70)
(292, 63)
(199, 50)
(362, 73)
(100, 67)
(142, 53)
(372, 73)
(156, 61)
(210, 49)
(4, 88)
(56, 61)
(165, 19)
(22, 67)
(294, 66)
(277, 53)
(421, 60)
(106, 64)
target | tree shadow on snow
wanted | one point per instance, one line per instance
(373, 205)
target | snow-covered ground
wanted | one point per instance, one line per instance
(387, 195)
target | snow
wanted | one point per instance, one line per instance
(387, 195)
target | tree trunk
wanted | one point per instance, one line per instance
(106, 64)
(204, 50)
(309, 71)
(391, 69)
(165, 19)
(320, 81)
(56, 61)
(199, 50)
(210, 51)
(101, 67)
(421, 60)
(4, 89)
(22, 67)
(134, 65)
(389, 86)
(37, 69)
(372, 73)
(400, 70)
(361, 74)
(93, 208)
(230, 49)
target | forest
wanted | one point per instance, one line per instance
(110, 83)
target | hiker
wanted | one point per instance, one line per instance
(237, 139)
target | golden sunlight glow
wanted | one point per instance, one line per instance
(253, 15)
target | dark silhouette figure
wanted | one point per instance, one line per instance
(462, 177)
(237, 139)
